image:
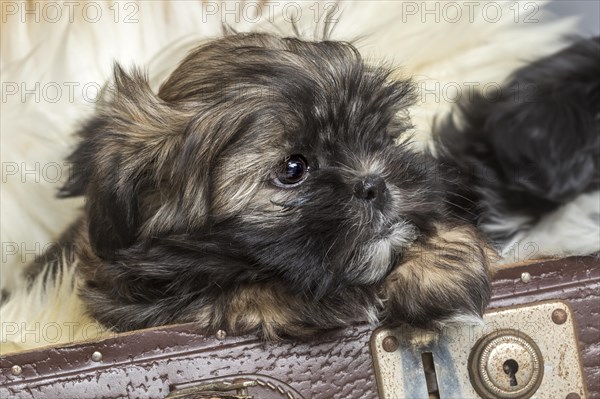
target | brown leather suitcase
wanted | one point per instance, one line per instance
(562, 296)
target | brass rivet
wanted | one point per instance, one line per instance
(525, 277)
(559, 316)
(390, 344)
(573, 395)
(221, 334)
(16, 370)
(96, 356)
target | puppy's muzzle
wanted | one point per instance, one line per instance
(372, 189)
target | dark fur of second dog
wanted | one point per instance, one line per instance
(530, 148)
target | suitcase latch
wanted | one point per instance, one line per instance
(519, 352)
(216, 390)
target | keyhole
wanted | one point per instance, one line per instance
(511, 367)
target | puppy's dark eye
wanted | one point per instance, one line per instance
(293, 171)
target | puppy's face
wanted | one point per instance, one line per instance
(308, 175)
(268, 158)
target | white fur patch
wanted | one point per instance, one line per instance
(464, 319)
(573, 229)
(46, 314)
(378, 254)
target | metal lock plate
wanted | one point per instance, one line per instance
(519, 352)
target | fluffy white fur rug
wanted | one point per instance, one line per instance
(53, 67)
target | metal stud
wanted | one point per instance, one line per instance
(96, 356)
(559, 316)
(390, 344)
(16, 370)
(221, 334)
(525, 277)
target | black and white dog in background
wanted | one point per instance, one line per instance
(532, 149)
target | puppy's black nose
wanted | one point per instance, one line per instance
(371, 188)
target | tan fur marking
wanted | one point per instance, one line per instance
(261, 307)
(441, 272)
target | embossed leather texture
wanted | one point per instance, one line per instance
(158, 362)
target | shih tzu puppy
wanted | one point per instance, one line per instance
(269, 188)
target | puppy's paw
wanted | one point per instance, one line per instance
(265, 310)
(443, 278)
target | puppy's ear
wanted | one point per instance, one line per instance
(122, 154)
(443, 278)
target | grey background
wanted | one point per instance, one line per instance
(587, 10)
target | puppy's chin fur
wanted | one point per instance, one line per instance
(191, 213)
